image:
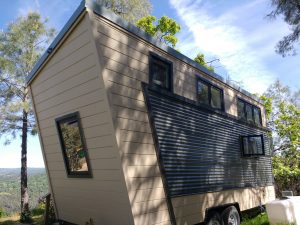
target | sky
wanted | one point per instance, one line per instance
(235, 32)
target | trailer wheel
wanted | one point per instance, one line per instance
(214, 218)
(231, 216)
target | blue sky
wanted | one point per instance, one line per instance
(235, 32)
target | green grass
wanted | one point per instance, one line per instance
(14, 219)
(260, 219)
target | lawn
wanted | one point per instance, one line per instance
(260, 219)
(12, 220)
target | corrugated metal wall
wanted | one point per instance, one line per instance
(200, 151)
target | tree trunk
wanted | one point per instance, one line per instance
(24, 189)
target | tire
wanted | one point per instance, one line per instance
(214, 218)
(230, 216)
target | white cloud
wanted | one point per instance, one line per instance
(240, 37)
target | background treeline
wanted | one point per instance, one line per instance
(10, 188)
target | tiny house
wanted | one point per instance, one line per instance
(135, 133)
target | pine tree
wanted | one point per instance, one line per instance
(21, 45)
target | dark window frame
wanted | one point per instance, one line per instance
(252, 155)
(252, 110)
(152, 57)
(63, 119)
(210, 85)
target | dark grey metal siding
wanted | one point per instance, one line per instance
(200, 151)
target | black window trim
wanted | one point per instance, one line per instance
(74, 174)
(252, 155)
(252, 107)
(152, 56)
(209, 84)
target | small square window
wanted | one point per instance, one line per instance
(208, 94)
(252, 145)
(160, 72)
(72, 144)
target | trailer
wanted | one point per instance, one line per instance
(135, 133)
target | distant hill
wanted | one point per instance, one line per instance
(10, 187)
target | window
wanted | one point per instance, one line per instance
(72, 144)
(252, 145)
(248, 112)
(160, 72)
(209, 95)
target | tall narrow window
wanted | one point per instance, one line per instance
(210, 95)
(216, 98)
(203, 96)
(241, 110)
(160, 72)
(72, 144)
(248, 112)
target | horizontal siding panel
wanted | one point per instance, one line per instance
(69, 47)
(127, 113)
(136, 148)
(70, 105)
(73, 82)
(113, 54)
(147, 195)
(90, 109)
(133, 125)
(152, 218)
(118, 70)
(142, 171)
(72, 71)
(126, 102)
(140, 160)
(144, 183)
(123, 49)
(200, 151)
(102, 153)
(70, 93)
(123, 38)
(126, 91)
(89, 185)
(75, 57)
(139, 208)
(138, 137)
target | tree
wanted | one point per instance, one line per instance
(200, 58)
(290, 10)
(21, 46)
(283, 113)
(165, 28)
(130, 10)
(281, 101)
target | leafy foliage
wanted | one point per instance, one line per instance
(288, 126)
(282, 108)
(290, 10)
(130, 10)
(286, 169)
(200, 58)
(165, 28)
(283, 113)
